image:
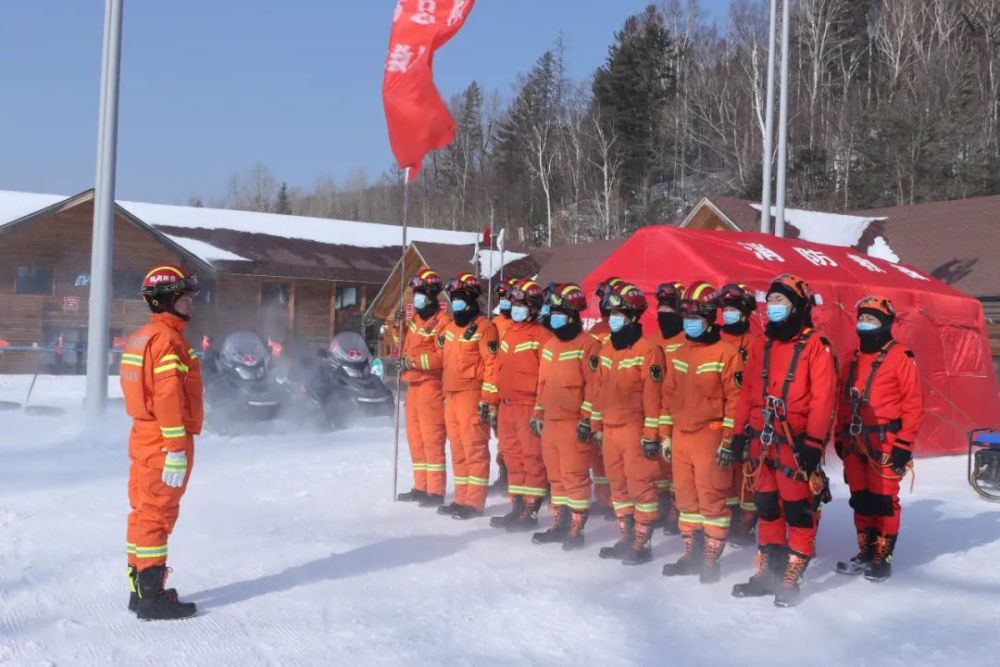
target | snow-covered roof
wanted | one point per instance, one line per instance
(320, 230)
(490, 261)
(16, 205)
(206, 251)
(829, 228)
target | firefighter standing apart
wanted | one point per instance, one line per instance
(738, 304)
(469, 348)
(700, 393)
(562, 415)
(625, 422)
(881, 409)
(517, 381)
(786, 411)
(161, 383)
(420, 362)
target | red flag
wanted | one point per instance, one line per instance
(4, 343)
(417, 117)
(119, 342)
(206, 342)
(487, 236)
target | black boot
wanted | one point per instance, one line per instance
(516, 505)
(670, 523)
(608, 512)
(574, 539)
(559, 529)
(133, 590)
(665, 503)
(528, 518)
(880, 568)
(499, 487)
(626, 531)
(690, 561)
(411, 496)
(154, 604)
(859, 563)
(762, 582)
(466, 512)
(641, 549)
(710, 568)
(788, 594)
(432, 500)
(449, 509)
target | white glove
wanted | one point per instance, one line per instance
(174, 469)
(666, 446)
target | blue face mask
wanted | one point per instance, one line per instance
(616, 322)
(777, 313)
(519, 313)
(457, 306)
(694, 326)
(544, 310)
(867, 326)
(419, 300)
(558, 320)
(731, 316)
(504, 304)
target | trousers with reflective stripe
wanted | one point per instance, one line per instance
(700, 486)
(567, 464)
(632, 475)
(469, 440)
(521, 450)
(425, 433)
(154, 505)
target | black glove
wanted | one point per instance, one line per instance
(399, 315)
(900, 458)
(403, 364)
(536, 425)
(584, 431)
(650, 448)
(484, 411)
(738, 445)
(807, 456)
(724, 455)
(492, 417)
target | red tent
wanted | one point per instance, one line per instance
(944, 328)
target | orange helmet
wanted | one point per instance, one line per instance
(427, 280)
(738, 296)
(527, 292)
(700, 300)
(796, 289)
(465, 282)
(567, 296)
(626, 298)
(879, 306)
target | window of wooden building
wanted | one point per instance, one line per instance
(347, 297)
(34, 279)
(127, 284)
(274, 295)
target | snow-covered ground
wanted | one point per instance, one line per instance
(296, 555)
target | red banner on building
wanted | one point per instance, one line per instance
(417, 117)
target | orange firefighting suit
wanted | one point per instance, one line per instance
(517, 381)
(425, 430)
(742, 493)
(627, 410)
(469, 357)
(502, 322)
(565, 385)
(600, 332)
(700, 392)
(671, 346)
(161, 382)
(891, 416)
(786, 510)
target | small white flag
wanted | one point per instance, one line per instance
(475, 258)
(500, 240)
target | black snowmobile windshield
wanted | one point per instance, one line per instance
(245, 350)
(349, 351)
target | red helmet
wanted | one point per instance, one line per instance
(603, 287)
(796, 289)
(567, 296)
(527, 292)
(670, 294)
(626, 298)
(879, 306)
(700, 300)
(164, 284)
(465, 282)
(504, 286)
(738, 296)
(427, 280)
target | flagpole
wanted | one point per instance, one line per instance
(489, 280)
(399, 346)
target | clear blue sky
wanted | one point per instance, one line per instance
(210, 87)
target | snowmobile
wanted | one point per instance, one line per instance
(239, 383)
(984, 463)
(341, 384)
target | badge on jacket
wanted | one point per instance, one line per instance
(594, 363)
(738, 378)
(440, 341)
(493, 346)
(656, 373)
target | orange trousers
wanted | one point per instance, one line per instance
(155, 505)
(742, 492)
(701, 486)
(632, 475)
(425, 433)
(469, 438)
(521, 450)
(665, 481)
(567, 464)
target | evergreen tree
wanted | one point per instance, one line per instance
(283, 204)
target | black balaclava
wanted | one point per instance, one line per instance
(873, 341)
(798, 319)
(671, 324)
(463, 318)
(740, 327)
(627, 337)
(573, 328)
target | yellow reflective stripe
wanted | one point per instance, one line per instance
(622, 506)
(572, 354)
(474, 339)
(717, 521)
(578, 504)
(666, 420)
(696, 519)
(530, 345)
(526, 491)
(478, 481)
(425, 361)
(698, 291)
(631, 362)
(129, 362)
(449, 335)
(673, 347)
(418, 466)
(130, 548)
(596, 416)
(648, 507)
(601, 480)
(132, 357)
(679, 365)
(547, 355)
(727, 422)
(173, 431)
(175, 466)
(710, 367)
(606, 362)
(559, 500)
(663, 484)
(587, 407)
(435, 467)
(490, 388)
(732, 501)
(461, 481)
(748, 507)
(171, 367)
(504, 346)
(651, 422)
(151, 552)
(169, 357)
